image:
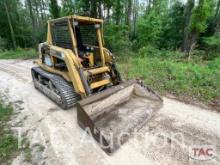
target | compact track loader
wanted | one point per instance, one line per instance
(74, 67)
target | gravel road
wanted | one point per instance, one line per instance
(165, 139)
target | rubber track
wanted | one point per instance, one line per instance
(67, 93)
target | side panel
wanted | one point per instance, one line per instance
(71, 62)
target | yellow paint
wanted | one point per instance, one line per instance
(71, 59)
(101, 46)
(100, 83)
(64, 74)
(97, 71)
(73, 38)
(90, 57)
(49, 37)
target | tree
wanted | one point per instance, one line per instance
(10, 26)
(135, 15)
(187, 14)
(161, 23)
(93, 6)
(212, 44)
(68, 8)
(171, 36)
(216, 20)
(108, 4)
(196, 22)
(129, 12)
(118, 11)
(100, 9)
(42, 8)
(54, 9)
(148, 6)
(33, 20)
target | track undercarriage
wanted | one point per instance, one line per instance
(55, 87)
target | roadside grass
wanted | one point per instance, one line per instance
(194, 80)
(8, 142)
(18, 54)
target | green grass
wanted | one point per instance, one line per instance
(18, 54)
(5, 114)
(196, 79)
(8, 142)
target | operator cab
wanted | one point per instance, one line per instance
(83, 36)
(87, 43)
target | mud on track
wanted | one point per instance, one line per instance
(164, 140)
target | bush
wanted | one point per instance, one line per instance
(212, 46)
(149, 29)
(117, 38)
(151, 51)
(183, 79)
(148, 51)
(3, 43)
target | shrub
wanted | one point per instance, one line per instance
(117, 38)
(181, 78)
(3, 43)
(213, 46)
(151, 51)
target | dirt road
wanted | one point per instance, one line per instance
(165, 140)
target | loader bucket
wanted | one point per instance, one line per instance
(113, 115)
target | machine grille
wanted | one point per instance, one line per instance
(89, 35)
(61, 35)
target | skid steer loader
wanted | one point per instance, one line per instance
(74, 67)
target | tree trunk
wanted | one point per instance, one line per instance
(217, 9)
(216, 19)
(100, 10)
(192, 43)
(54, 9)
(148, 7)
(135, 15)
(32, 20)
(187, 14)
(117, 13)
(10, 26)
(42, 10)
(94, 9)
(156, 5)
(31, 13)
(108, 13)
(37, 11)
(129, 13)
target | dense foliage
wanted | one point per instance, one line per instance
(164, 24)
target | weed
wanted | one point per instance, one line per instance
(194, 79)
(8, 142)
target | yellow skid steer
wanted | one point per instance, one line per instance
(74, 68)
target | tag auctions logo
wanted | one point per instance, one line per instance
(202, 152)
